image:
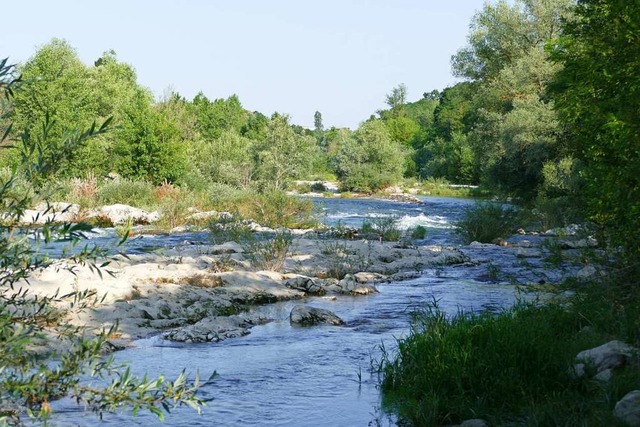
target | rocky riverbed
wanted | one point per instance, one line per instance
(199, 292)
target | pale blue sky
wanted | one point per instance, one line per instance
(337, 56)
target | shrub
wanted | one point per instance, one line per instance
(227, 228)
(128, 192)
(84, 191)
(383, 228)
(269, 252)
(419, 232)
(343, 260)
(485, 222)
(318, 187)
(271, 208)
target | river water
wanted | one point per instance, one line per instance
(281, 375)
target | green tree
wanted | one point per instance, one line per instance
(397, 98)
(214, 117)
(227, 160)
(283, 155)
(511, 125)
(318, 129)
(30, 380)
(597, 94)
(370, 160)
(150, 144)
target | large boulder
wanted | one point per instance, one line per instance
(53, 212)
(627, 409)
(604, 358)
(308, 316)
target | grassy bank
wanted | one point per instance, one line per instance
(513, 368)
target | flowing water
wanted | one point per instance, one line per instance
(281, 375)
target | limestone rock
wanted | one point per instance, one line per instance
(212, 329)
(589, 242)
(349, 285)
(119, 214)
(607, 356)
(604, 376)
(366, 277)
(527, 253)
(405, 275)
(304, 284)
(627, 409)
(587, 273)
(54, 212)
(227, 248)
(307, 316)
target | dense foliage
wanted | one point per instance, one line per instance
(42, 358)
(598, 97)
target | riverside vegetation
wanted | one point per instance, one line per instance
(515, 367)
(546, 114)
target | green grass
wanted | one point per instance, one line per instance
(383, 228)
(512, 368)
(485, 222)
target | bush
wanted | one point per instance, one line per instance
(383, 228)
(128, 192)
(512, 368)
(485, 222)
(269, 252)
(271, 208)
(419, 232)
(343, 260)
(227, 228)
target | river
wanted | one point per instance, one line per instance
(281, 375)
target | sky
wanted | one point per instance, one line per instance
(339, 57)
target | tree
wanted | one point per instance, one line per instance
(29, 381)
(150, 144)
(317, 122)
(509, 118)
(397, 98)
(502, 33)
(227, 160)
(215, 117)
(598, 96)
(283, 155)
(370, 160)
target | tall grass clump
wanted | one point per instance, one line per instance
(84, 192)
(486, 222)
(269, 252)
(479, 365)
(128, 192)
(384, 228)
(271, 208)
